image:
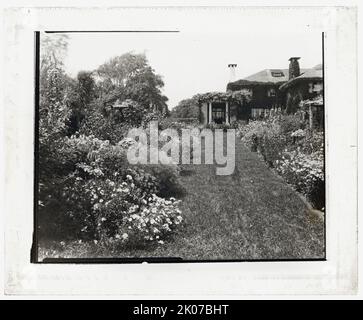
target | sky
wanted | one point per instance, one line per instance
(196, 62)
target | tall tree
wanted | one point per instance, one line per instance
(52, 108)
(79, 94)
(86, 86)
(130, 76)
(187, 108)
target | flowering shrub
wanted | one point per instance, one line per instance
(271, 146)
(297, 153)
(126, 143)
(265, 137)
(167, 177)
(305, 172)
(92, 191)
(103, 127)
(290, 123)
(313, 141)
(152, 116)
(104, 210)
(98, 158)
(170, 123)
(252, 133)
(223, 126)
(87, 188)
(91, 156)
(112, 121)
(154, 220)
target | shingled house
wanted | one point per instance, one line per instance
(278, 89)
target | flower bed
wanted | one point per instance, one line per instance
(95, 192)
(293, 150)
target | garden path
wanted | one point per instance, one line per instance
(251, 214)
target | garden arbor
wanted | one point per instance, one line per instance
(221, 107)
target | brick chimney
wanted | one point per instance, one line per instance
(232, 72)
(294, 67)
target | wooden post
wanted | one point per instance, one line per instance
(210, 112)
(310, 117)
(227, 112)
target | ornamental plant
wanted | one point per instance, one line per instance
(306, 173)
(89, 173)
(151, 221)
(105, 209)
(294, 151)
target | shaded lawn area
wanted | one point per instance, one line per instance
(251, 214)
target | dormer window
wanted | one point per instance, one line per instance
(277, 74)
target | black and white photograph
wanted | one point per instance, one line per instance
(191, 152)
(187, 146)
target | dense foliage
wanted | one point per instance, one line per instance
(223, 126)
(99, 192)
(87, 188)
(186, 109)
(240, 96)
(130, 76)
(296, 152)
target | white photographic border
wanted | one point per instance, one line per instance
(336, 275)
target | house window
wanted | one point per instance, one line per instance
(315, 87)
(257, 112)
(246, 91)
(218, 113)
(271, 92)
(311, 87)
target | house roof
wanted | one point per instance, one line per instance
(315, 73)
(266, 76)
(269, 75)
(277, 77)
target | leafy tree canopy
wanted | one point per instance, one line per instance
(187, 108)
(130, 76)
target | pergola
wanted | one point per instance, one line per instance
(216, 106)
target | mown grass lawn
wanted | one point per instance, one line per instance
(251, 214)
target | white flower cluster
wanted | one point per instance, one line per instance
(301, 170)
(298, 133)
(155, 219)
